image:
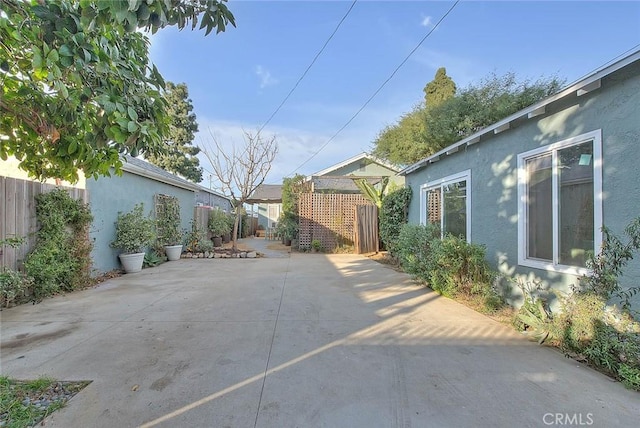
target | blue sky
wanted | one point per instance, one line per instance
(236, 79)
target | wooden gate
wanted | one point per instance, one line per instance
(365, 229)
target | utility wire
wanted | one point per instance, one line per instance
(308, 68)
(377, 90)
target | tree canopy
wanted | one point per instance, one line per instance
(430, 128)
(78, 89)
(180, 155)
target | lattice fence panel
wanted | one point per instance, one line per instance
(433, 206)
(328, 218)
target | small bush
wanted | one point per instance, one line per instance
(413, 249)
(219, 223)
(194, 237)
(580, 312)
(204, 246)
(15, 288)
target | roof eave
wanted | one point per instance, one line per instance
(133, 169)
(579, 85)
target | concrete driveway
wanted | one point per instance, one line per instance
(305, 341)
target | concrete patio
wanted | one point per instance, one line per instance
(300, 341)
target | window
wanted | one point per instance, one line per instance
(447, 203)
(560, 214)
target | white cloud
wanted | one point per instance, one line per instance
(427, 21)
(265, 77)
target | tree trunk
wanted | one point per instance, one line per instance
(235, 230)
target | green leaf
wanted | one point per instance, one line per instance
(43, 12)
(66, 61)
(37, 60)
(132, 113)
(65, 51)
(53, 56)
(132, 126)
(72, 147)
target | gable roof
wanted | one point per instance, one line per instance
(145, 169)
(582, 86)
(356, 158)
(266, 193)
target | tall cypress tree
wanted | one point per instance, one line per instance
(440, 89)
(181, 155)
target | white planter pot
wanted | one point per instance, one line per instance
(173, 252)
(132, 263)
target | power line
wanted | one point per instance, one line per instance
(377, 90)
(308, 68)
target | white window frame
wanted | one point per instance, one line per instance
(450, 179)
(553, 265)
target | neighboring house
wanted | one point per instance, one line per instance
(269, 200)
(9, 168)
(337, 178)
(210, 198)
(536, 187)
(139, 182)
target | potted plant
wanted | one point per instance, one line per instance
(288, 227)
(134, 232)
(168, 227)
(230, 221)
(218, 226)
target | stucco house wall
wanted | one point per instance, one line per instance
(110, 195)
(612, 110)
(213, 199)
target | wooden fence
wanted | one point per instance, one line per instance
(18, 215)
(328, 218)
(365, 229)
(201, 217)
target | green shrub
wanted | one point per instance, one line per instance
(15, 288)
(460, 268)
(393, 215)
(204, 246)
(194, 238)
(413, 249)
(61, 258)
(219, 223)
(288, 225)
(608, 266)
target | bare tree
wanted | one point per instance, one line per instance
(241, 170)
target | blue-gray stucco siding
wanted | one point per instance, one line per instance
(110, 195)
(614, 109)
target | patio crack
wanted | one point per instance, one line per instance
(273, 337)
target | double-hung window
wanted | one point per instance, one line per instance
(447, 204)
(560, 212)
